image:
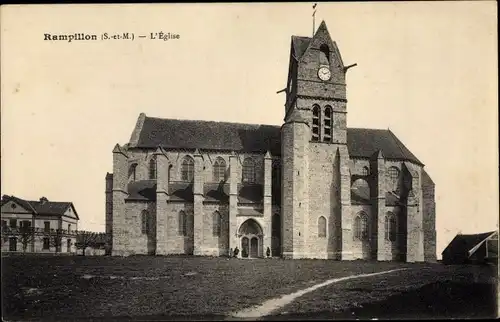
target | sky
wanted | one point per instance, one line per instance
(426, 70)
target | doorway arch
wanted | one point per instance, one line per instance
(251, 239)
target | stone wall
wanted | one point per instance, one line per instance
(295, 193)
(429, 217)
(362, 249)
(324, 199)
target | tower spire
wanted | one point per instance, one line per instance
(314, 17)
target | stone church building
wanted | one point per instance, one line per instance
(311, 188)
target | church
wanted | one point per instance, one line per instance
(310, 188)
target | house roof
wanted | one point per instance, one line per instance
(463, 244)
(210, 135)
(43, 206)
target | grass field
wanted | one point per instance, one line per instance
(142, 287)
(435, 291)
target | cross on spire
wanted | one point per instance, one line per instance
(314, 17)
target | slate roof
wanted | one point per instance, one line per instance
(216, 192)
(209, 135)
(391, 199)
(250, 193)
(366, 142)
(24, 203)
(224, 136)
(142, 190)
(361, 195)
(181, 191)
(250, 212)
(300, 45)
(46, 208)
(426, 177)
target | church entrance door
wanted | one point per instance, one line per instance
(244, 247)
(254, 247)
(251, 238)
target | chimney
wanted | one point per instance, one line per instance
(43, 200)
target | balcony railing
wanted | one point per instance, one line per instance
(6, 230)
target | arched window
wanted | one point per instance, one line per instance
(324, 55)
(145, 221)
(357, 227)
(182, 223)
(152, 168)
(315, 124)
(248, 172)
(393, 174)
(219, 170)
(132, 171)
(361, 226)
(365, 171)
(187, 169)
(217, 221)
(327, 135)
(390, 227)
(322, 227)
(364, 227)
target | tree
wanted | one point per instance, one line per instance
(5, 234)
(56, 237)
(26, 236)
(85, 239)
(109, 243)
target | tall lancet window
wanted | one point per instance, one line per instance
(152, 168)
(187, 169)
(390, 227)
(322, 227)
(327, 135)
(393, 174)
(324, 55)
(219, 170)
(361, 226)
(315, 124)
(217, 222)
(248, 171)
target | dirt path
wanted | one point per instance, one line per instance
(270, 306)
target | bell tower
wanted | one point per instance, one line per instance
(317, 73)
(316, 179)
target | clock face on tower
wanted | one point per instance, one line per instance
(324, 73)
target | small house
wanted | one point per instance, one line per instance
(472, 248)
